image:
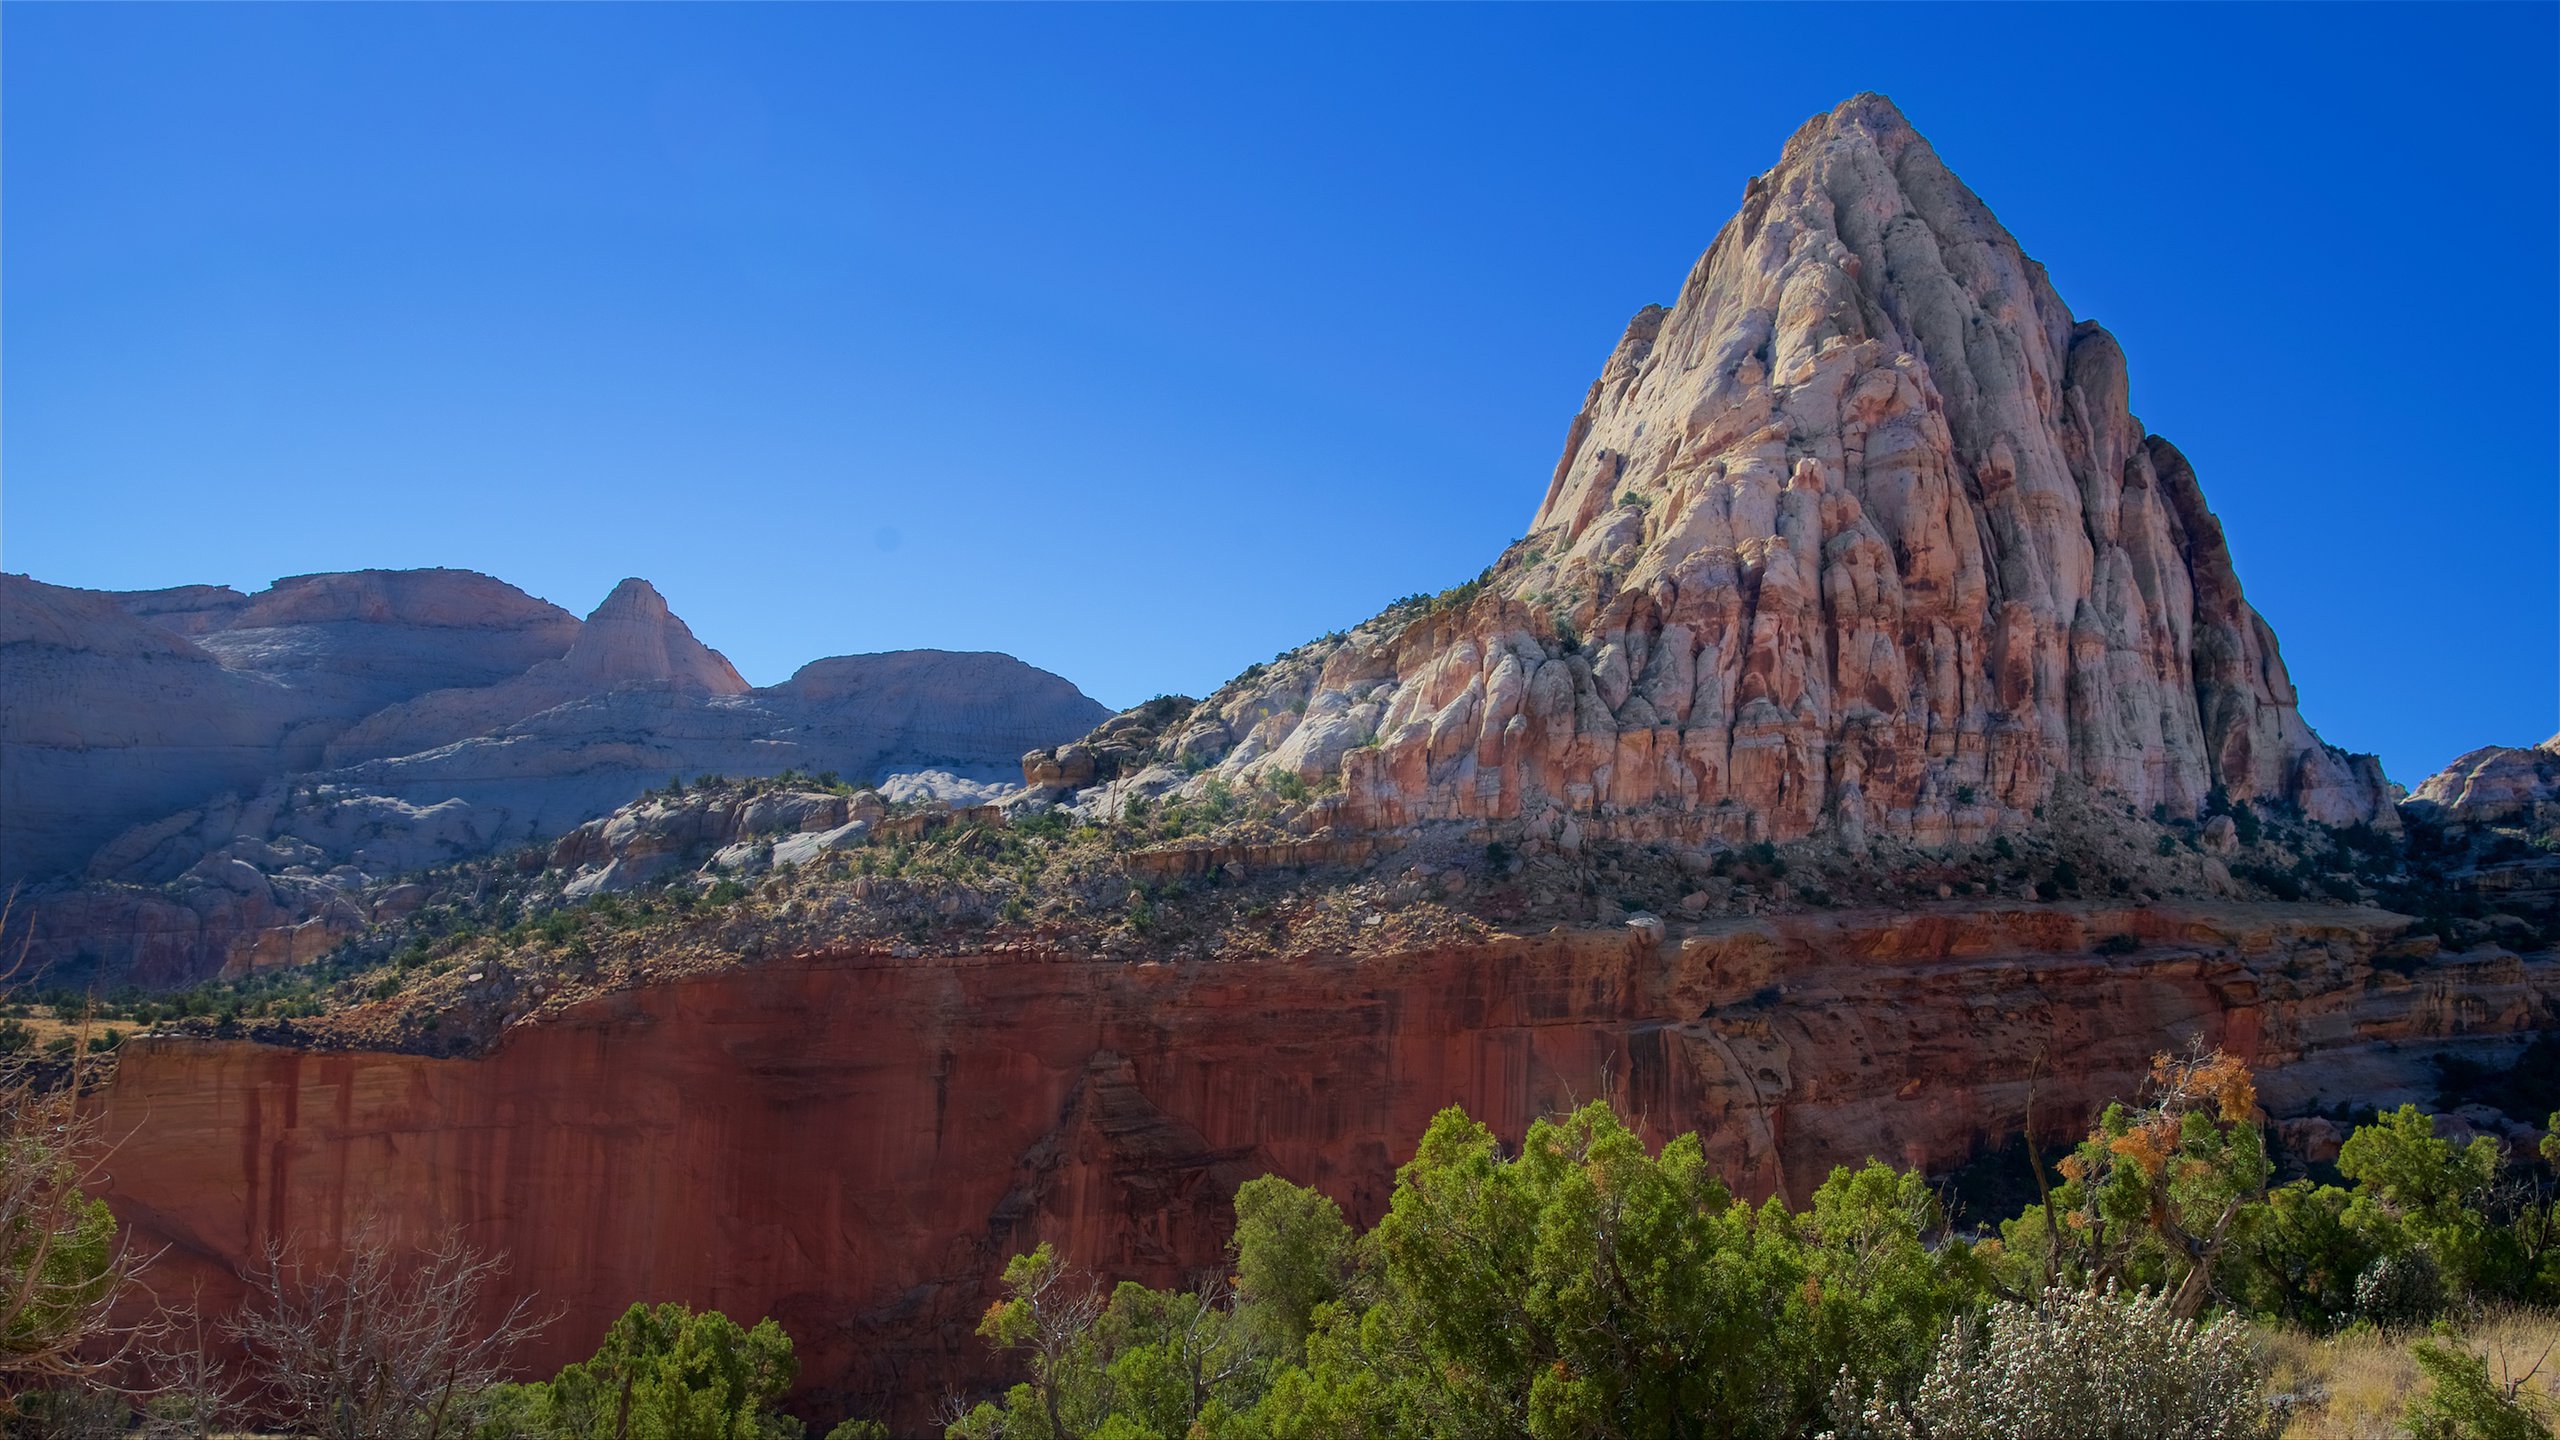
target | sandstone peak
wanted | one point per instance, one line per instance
(957, 671)
(632, 639)
(1858, 534)
(58, 617)
(633, 636)
(633, 596)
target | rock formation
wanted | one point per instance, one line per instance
(106, 720)
(120, 709)
(632, 639)
(854, 1143)
(233, 775)
(1859, 534)
(2515, 786)
(358, 641)
(2490, 827)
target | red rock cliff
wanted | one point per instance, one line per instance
(854, 1143)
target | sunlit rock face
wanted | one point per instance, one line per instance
(2508, 785)
(1859, 533)
(855, 1143)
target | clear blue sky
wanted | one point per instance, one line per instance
(1145, 342)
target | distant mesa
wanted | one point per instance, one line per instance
(270, 754)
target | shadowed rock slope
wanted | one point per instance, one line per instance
(210, 780)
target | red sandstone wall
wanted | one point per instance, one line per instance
(854, 1144)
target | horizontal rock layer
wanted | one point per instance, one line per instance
(855, 1143)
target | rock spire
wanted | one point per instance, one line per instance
(1857, 534)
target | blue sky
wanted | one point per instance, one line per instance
(1145, 342)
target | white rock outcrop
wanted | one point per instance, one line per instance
(1858, 534)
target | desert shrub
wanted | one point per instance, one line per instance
(2299, 1257)
(389, 1342)
(2367, 1384)
(665, 1372)
(2081, 1364)
(1144, 1362)
(1583, 1285)
(1293, 1256)
(2158, 1192)
(2418, 1193)
(2245, 821)
(71, 1412)
(2463, 1402)
(2402, 1289)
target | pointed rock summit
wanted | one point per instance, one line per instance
(633, 636)
(632, 639)
(1859, 533)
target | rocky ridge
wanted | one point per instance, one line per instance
(214, 783)
(2515, 787)
(1858, 536)
(2489, 823)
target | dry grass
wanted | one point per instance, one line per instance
(2354, 1386)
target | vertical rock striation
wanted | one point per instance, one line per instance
(855, 1143)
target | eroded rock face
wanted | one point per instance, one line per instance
(2515, 786)
(1860, 533)
(645, 841)
(119, 709)
(854, 1143)
(360, 640)
(232, 775)
(632, 639)
(106, 720)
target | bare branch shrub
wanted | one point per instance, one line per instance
(384, 1345)
(183, 1379)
